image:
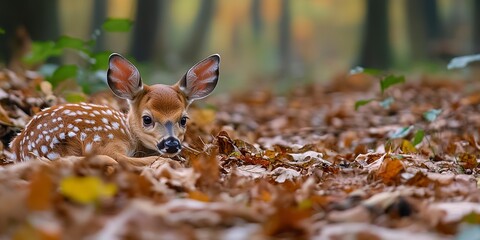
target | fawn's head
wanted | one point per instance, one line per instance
(157, 115)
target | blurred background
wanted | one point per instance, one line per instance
(263, 43)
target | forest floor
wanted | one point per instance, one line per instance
(305, 165)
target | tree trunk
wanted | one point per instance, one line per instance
(284, 38)
(257, 23)
(417, 29)
(199, 31)
(145, 30)
(38, 17)
(375, 48)
(476, 27)
(99, 16)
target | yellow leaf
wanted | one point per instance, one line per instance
(407, 147)
(86, 189)
(199, 196)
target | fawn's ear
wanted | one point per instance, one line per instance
(201, 79)
(123, 77)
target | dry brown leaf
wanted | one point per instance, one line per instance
(40, 196)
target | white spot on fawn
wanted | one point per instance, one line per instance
(71, 134)
(54, 141)
(76, 129)
(97, 138)
(104, 120)
(115, 125)
(44, 149)
(70, 126)
(62, 135)
(88, 147)
(53, 156)
(110, 136)
(83, 136)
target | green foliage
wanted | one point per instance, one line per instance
(73, 43)
(389, 81)
(41, 51)
(62, 73)
(117, 25)
(385, 83)
(90, 75)
(402, 132)
(2, 31)
(100, 60)
(369, 71)
(360, 103)
(75, 97)
(418, 138)
(432, 114)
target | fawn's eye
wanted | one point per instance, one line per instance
(147, 121)
(183, 121)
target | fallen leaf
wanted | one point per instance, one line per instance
(41, 187)
(87, 189)
(282, 174)
(253, 171)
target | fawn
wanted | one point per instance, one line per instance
(154, 125)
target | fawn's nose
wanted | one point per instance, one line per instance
(170, 145)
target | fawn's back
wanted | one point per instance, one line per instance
(70, 129)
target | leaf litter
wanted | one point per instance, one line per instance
(304, 165)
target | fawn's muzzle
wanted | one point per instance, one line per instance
(170, 145)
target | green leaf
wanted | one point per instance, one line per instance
(62, 73)
(2, 31)
(387, 102)
(432, 114)
(117, 25)
(401, 132)
(70, 42)
(418, 138)
(75, 97)
(390, 81)
(100, 61)
(41, 51)
(360, 103)
(369, 71)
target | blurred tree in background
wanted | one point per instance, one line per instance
(258, 39)
(25, 20)
(375, 49)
